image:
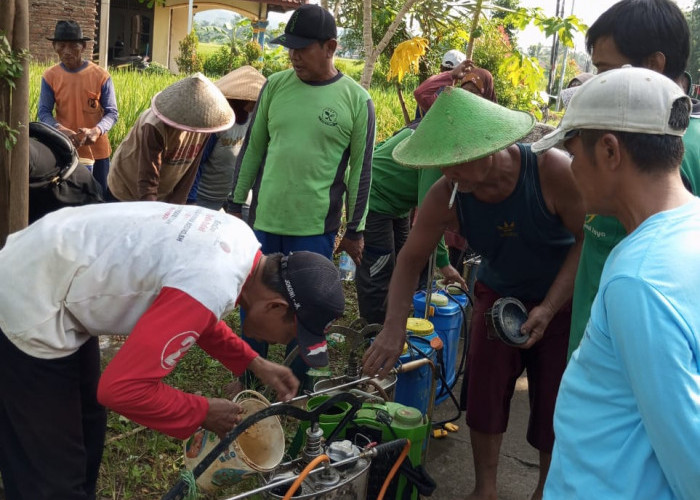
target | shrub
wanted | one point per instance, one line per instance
(155, 68)
(221, 62)
(187, 61)
(275, 60)
(350, 67)
(252, 52)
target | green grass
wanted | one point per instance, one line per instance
(143, 464)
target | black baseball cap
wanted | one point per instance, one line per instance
(308, 24)
(313, 289)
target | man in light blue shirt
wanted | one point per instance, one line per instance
(627, 418)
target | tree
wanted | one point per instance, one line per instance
(14, 117)
(562, 28)
(372, 51)
(508, 6)
(188, 61)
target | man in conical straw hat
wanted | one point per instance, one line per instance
(158, 159)
(241, 88)
(524, 215)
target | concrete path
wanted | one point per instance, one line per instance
(449, 460)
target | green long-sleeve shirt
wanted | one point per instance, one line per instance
(397, 189)
(310, 145)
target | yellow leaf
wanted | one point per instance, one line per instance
(406, 57)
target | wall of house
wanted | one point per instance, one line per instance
(170, 24)
(43, 15)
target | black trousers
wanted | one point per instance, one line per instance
(52, 428)
(384, 236)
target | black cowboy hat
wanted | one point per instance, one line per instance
(68, 31)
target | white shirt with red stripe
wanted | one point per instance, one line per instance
(162, 274)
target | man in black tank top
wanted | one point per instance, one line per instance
(524, 215)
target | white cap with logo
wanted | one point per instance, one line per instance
(452, 58)
(626, 99)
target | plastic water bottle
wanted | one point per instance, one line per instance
(347, 267)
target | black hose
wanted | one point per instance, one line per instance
(389, 449)
(180, 489)
(444, 383)
(447, 388)
(465, 332)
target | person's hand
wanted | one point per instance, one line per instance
(353, 248)
(279, 377)
(90, 135)
(382, 355)
(223, 415)
(537, 322)
(451, 275)
(461, 70)
(234, 209)
(76, 138)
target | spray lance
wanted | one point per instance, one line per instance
(180, 490)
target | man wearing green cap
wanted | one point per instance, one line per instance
(524, 215)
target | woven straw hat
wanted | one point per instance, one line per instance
(194, 104)
(461, 127)
(243, 83)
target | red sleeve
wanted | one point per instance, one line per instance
(426, 93)
(132, 383)
(232, 351)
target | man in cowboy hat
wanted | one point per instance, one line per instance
(82, 95)
(241, 88)
(626, 418)
(523, 214)
(158, 159)
(164, 275)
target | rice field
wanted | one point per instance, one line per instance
(135, 89)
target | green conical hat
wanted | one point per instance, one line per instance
(461, 127)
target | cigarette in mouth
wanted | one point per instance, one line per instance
(452, 197)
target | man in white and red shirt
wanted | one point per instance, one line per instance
(164, 275)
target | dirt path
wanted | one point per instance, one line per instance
(450, 459)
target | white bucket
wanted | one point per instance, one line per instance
(88, 163)
(259, 449)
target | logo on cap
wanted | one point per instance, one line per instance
(292, 295)
(319, 348)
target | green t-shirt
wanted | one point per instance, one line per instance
(601, 234)
(397, 189)
(311, 147)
